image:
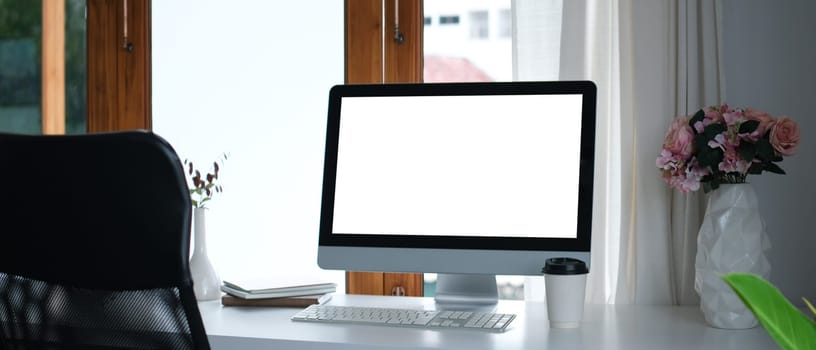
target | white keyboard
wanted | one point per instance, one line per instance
(483, 321)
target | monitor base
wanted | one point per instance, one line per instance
(462, 291)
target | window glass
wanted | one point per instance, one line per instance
(20, 61)
(21, 66)
(255, 86)
(470, 53)
(466, 52)
(76, 98)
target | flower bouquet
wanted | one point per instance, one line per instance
(204, 187)
(723, 145)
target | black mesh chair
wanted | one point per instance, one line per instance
(94, 240)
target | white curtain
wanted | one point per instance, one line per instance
(652, 61)
(699, 82)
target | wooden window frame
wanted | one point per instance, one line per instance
(53, 67)
(118, 65)
(374, 56)
(119, 85)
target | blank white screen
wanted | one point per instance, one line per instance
(499, 166)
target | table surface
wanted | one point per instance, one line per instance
(603, 327)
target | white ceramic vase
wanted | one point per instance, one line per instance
(206, 284)
(732, 238)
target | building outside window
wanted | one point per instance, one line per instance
(505, 23)
(479, 25)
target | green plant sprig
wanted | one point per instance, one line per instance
(203, 188)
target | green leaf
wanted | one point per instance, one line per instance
(195, 203)
(696, 118)
(764, 150)
(713, 130)
(810, 306)
(747, 151)
(784, 323)
(710, 183)
(773, 168)
(710, 157)
(755, 168)
(715, 183)
(748, 126)
(701, 142)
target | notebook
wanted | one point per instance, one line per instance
(298, 301)
(276, 288)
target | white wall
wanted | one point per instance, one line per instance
(251, 77)
(769, 64)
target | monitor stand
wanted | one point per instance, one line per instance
(461, 291)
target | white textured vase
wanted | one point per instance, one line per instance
(206, 284)
(732, 239)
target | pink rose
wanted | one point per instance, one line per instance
(679, 137)
(763, 118)
(784, 136)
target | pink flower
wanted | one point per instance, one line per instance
(732, 163)
(732, 117)
(763, 118)
(679, 137)
(715, 114)
(784, 136)
(683, 176)
(718, 142)
(678, 159)
(699, 126)
(665, 160)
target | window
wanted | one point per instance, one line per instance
(76, 67)
(22, 64)
(448, 20)
(479, 25)
(470, 55)
(265, 105)
(19, 79)
(260, 96)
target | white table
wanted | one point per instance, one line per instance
(603, 327)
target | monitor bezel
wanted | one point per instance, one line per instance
(581, 243)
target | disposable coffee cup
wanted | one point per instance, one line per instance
(565, 280)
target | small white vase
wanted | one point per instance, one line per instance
(206, 284)
(732, 239)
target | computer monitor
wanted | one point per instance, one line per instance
(468, 180)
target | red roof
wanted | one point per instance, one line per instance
(452, 69)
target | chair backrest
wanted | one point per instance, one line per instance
(94, 241)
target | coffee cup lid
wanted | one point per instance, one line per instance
(564, 266)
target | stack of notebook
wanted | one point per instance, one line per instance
(272, 294)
